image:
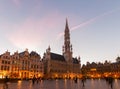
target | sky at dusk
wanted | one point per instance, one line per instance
(36, 24)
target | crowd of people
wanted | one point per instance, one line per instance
(83, 79)
(109, 81)
(34, 79)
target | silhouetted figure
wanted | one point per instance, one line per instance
(110, 80)
(75, 79)
(83, 82)
(33, 80)
(37, 80)
(5, 86)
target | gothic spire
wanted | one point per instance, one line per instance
(67, 48)
(66, 26)
(67, 38)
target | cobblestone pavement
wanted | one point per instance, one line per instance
(63, 84)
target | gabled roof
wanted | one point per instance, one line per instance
(57, 57)
(75, 61)
(22, 53)
(33, 53)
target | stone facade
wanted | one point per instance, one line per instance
(62, 66)
(5, 64)
(21, 65)
(101, 70)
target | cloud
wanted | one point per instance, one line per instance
(32, 32)
(25, 37)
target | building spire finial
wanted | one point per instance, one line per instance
(49, 49)
(66, 27)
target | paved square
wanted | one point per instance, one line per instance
(63, 84)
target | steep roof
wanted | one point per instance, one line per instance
(22, 53)
(33, 53)
(57, 57)
(75, 61)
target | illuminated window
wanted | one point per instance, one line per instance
(93, 69)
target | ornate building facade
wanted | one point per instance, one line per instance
(21, 65)
(62, 66)
(5, 64)
(101, 70)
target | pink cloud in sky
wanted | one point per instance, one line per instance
(32, 33)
